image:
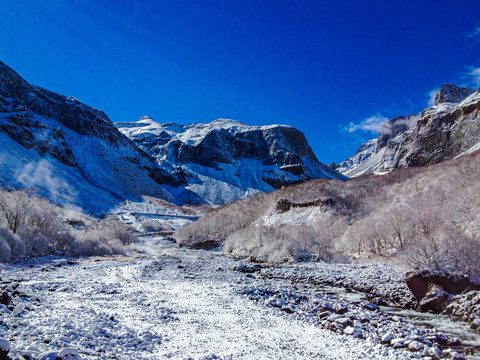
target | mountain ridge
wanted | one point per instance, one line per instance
(73, 153)
(440, 132)
(228, 156)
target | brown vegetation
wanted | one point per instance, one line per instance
(427, 217)
(32, 226)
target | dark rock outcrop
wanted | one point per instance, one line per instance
(284, 205)
(433, 290)
(452, 93)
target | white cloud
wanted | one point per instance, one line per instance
(431, 96)
(475, 33)
(372, 124)
(40, 175)
(475, 75)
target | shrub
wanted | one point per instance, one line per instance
(152, 226)
(33, 226)
(5, 253)
(17, 247)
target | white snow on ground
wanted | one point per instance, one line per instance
(295, 216)
(162, 301)
(185, 304)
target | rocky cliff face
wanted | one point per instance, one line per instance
(67, 150)
(452, 94)
(73, 153)
(449, 128)
(227, 159)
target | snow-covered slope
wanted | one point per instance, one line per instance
(449, 128)
(70, 152)
(363, 153)
(226, 159)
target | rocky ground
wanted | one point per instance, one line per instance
(168, 302)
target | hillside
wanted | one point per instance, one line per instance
(70, 152)
(422, 217)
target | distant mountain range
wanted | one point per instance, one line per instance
(448, 129)
(73, 153)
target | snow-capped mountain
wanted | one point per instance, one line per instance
(449, 128)
(73, 153)
(226, 159)
(68, 151)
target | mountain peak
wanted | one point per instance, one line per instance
(452, 93)
(226, 122)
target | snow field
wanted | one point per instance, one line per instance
(187, 304)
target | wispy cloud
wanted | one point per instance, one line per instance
(371, 124)
(475, 33)
(431, 96)
(475, 76)
(39, 175)
(471, 78)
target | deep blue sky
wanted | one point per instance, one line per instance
(316, 65)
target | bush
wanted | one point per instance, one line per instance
(425, 216)
(33, 226)
(37, 244)
(5, 253)
(152, 226)
(94, 243)
(17, 247)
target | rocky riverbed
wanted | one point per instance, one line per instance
(168, 302)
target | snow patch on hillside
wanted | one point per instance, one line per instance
(22, 168)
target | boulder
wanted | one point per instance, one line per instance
(436, 300)
(432, 283)
(49, 355)
(340, 308)
(4, 349)
(386, 338)
(68, 354)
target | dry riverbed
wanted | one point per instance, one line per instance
(173, 303)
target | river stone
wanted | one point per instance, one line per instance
(371, 307)
(50, 355)
(475, 324)
(4, 348)
(415, 346)
(365, 318)
(357, 333)
(344, 321)
(436, 300)
(340, 308)
(452, 354)
(68, 354)
(386, 338)
(349, 330)
(435, 353)
(334, 317)
(324, 314)
(397, 343)
(335, 327)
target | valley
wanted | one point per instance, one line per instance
(162, 301)
(223, 240)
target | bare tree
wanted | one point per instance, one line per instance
(15, 206)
